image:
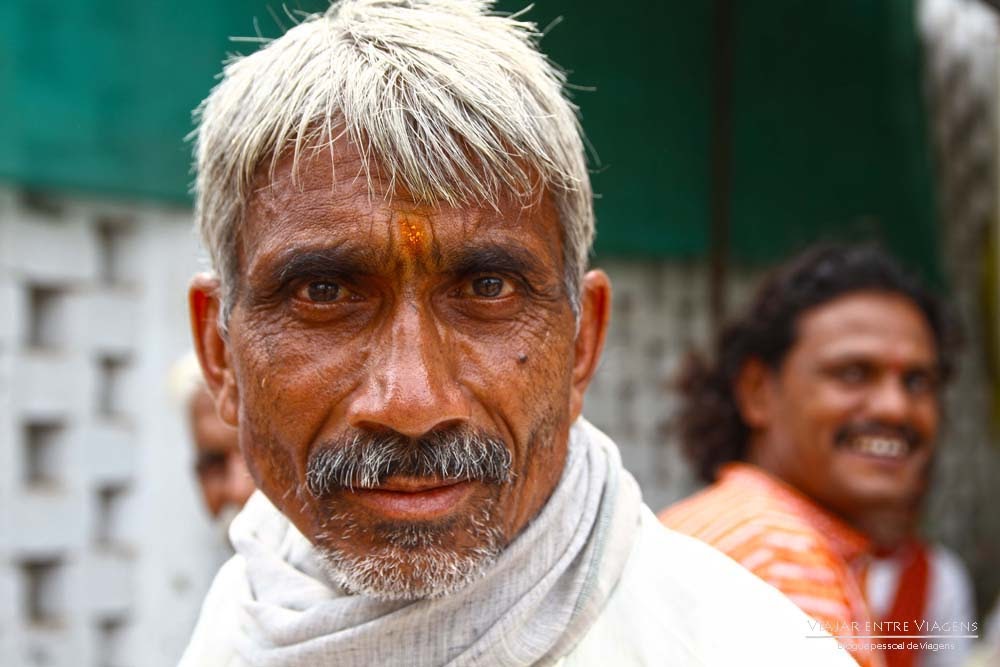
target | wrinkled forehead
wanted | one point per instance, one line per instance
(465, 181)
(327, 198)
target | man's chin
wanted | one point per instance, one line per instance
(873, 483)
(873, 499)
(410, 560)
(400, 573)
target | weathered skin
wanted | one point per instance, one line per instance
(865, 358)
(411, 333)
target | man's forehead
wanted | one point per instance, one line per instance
(322, 202)
(339, 164)
(886, 326)
(384, 230)
(324, 178)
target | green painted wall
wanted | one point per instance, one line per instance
(830, 136)
(828, 124)
(98, 93)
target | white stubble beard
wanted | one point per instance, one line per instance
(413, 564)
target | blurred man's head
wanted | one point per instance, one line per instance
(830, 381)
(396, 201)
(222, 475)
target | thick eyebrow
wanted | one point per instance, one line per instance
(295, 264)
(842, 358)
(494, 257)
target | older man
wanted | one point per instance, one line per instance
(817, 421)
(395, 198)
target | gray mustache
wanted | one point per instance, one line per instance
(366, 460)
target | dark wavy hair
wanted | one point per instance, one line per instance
(711, 428)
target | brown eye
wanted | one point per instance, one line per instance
(919, 382)
(488, 287)
(853, 373)
(322, 291)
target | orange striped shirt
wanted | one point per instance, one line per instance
(788, 541)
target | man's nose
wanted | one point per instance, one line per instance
(410, 386)
(889, 400)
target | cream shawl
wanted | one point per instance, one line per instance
(530, 608)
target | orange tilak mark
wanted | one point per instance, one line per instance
(413, 232)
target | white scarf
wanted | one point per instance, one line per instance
(530, 608)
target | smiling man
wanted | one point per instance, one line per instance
(401, 326)
(816, 424)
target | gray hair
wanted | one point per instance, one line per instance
(443, 97)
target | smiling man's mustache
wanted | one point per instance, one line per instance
(363, 459)
(878, 430)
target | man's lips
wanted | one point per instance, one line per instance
(412, 499)
(882, 448)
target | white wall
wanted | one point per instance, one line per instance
(104, 550)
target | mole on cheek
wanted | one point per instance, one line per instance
(522, 359)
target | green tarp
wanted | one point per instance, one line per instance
(828, 124)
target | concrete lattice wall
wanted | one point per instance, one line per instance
(101, 556)
(659, 311)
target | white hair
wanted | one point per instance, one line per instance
(443, 97)
(184, 379)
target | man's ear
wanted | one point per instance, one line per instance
(595, 313)
(754, 391)
(212, 347)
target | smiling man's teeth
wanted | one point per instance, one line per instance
(885, 447)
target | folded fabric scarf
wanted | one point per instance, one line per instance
(530, 608)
